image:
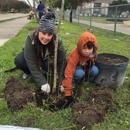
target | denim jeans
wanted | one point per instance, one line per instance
(40, 15)
(90, 73)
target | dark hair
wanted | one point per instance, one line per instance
(90, 45)
(40, 49)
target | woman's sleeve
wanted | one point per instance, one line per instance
(30, 57)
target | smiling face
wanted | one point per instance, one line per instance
(45, 38)
(87, 51)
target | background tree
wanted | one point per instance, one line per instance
(20, 5)
(71, 3)
(120, 8)
(6, 5)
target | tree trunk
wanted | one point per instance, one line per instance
(34, 10)
(56, 46)
(71, 16)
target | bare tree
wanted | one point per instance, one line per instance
(56, 46)
(34, 9)
(7, 4)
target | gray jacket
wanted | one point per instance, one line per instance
(30, 57)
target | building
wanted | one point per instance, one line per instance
(99, 7)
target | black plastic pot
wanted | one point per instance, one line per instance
(111, 74)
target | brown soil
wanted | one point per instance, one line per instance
(89, 111)
(32, 29)
(17, 94)
(92, 109)
(108, 60)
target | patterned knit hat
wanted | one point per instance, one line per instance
(46, 23)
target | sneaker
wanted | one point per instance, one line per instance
(86, 83)
(26, 76)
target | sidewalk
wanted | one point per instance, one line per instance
(10, 16)
(119, 27)
(11, 28)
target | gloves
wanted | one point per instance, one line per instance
(45, 88)
(61, 104)
(61, 88)
(69, 100)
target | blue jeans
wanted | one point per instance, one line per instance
(40, 14)
(90, 73)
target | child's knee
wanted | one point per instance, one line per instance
(79, 74)
(95, 71)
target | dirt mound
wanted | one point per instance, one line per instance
(89, 111)
(92, 109)
(17, 94)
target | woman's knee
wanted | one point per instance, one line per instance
(19, 60)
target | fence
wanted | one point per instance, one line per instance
(115, 18)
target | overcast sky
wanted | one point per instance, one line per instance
(31, 2)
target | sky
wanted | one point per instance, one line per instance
(31, 2)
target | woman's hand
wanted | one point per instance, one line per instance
(45, 88)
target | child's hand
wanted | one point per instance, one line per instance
(61, 104)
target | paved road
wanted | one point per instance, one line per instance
(13, 15)
(119, 27)
(10, 28)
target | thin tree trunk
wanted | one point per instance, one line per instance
(34, 10)
(56, 46)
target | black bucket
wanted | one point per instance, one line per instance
(112, 69)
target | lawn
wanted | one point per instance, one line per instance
(31, 116)
(105, 20)
(98, 20)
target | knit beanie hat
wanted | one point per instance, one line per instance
(46, 23)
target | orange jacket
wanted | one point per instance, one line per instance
(76, 58)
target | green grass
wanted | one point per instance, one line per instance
(98, 20)
(10, 19)
(119, 119)
(103, 19)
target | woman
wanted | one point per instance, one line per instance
(38, 54)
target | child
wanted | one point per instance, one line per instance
(79, 66)
(80, 62)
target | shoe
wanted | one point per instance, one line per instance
(86, 83)
(26, 76)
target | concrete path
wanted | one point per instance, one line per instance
(13, 15)
(119, 27)
(10, 28)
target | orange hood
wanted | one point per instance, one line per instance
(83, 39)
